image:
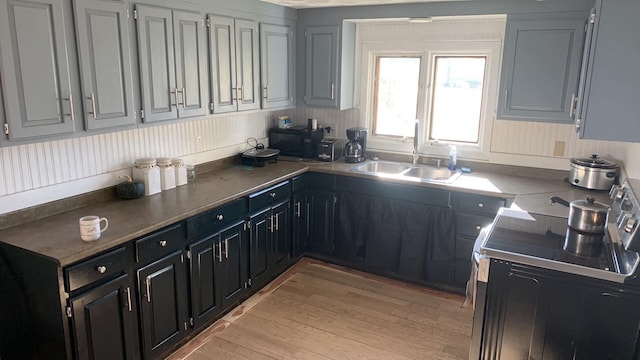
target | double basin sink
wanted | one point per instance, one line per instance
(398, 170)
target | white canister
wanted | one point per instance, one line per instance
(180, 171)
(167, 174)
(146, 171)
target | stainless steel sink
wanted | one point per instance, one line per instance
(422, 173)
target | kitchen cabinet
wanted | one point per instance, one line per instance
(35, 69)
(544, 314)
(234, 64)
(607, 109)
(173, 63)
(474, 212)
(540, 67)
(277, 66)
(322, 65)
(105, 322)
(105, 64)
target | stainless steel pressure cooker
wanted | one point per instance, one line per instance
(593, 173)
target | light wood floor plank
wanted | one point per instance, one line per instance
(318, 311)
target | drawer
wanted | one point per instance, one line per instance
(464, 248)
(480, 204)
(156, 245)
(470, 225)
(269, 196)
(212, 220)
(96, 269)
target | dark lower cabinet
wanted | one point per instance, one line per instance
(234, 251)
(270, 243)
(104, 322)
(205, 264)
(321, 221)
(163, 300)
(533, 313)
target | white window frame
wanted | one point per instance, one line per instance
(370, 50)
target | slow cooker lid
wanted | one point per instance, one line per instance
(595, 162)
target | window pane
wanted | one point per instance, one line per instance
(396, 95)
(457, 98)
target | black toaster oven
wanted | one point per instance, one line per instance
(296, 141)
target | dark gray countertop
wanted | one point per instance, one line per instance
(57, 237)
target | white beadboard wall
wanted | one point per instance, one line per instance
(42, 172)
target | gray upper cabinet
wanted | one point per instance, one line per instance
(105, 63)
(540, 67)
(321, 65)
(34, 67)
(277, 66)
(234, 64)
(612, 75)
(172, 63)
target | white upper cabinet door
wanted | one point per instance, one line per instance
(157, 66)
(105, 63)
(277, 66)
(191, 64)
(247, 67)
(34, 68)
(222, 63)
(540, 67)
(321, 66)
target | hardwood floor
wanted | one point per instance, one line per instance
(321, 311)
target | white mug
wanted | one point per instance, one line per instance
(90, 227)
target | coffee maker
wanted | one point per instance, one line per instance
(355, 150)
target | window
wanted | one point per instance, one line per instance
(444, 74)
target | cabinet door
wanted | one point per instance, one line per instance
(105, 62)
(157, 64)
(277, 66)
(322, 65)
(261, 227)
(104, 322)
(205, 264)
(233, 250)
(163, 303)
(280, 237)
(247, 69)
(609, 110)
(35, 68)
(191, 64)
(222, 43)
(322, 204)
(540, 69)
(300, 223)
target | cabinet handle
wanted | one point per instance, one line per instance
(308, 220)
(163, 243)
(241, 94)
(273, 194)
(102, 269)
(129, 299)
(506, 98)
(175, 97)
(271, 221)
(226, 248)
(93, 105)
(265, 92)
(148, 284)
(277, 221)
(572, 110)
(333, 91)
(220, 252)
(71, 113)
(298, 209)
(480, 205)
(219, 217)
(234, 94)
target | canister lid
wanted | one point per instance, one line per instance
(145, 162)
(164, 162)
(595, 162)
(177, 162)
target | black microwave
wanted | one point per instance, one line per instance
(296, 141)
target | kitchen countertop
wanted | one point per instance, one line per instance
(57, 237)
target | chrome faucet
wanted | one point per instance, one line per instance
(415, 146)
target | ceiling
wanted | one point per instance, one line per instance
(303, 4)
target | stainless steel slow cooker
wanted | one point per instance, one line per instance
(593, 173)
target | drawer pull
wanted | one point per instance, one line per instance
(478, 227)
(226, 248)
(219, 217)
(480, 205)
(148, 284)
(273, 194)
(102, 269)
(129, 299)
(163, 243)
(220, 252)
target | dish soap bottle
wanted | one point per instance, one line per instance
(453, 158)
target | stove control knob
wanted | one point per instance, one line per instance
(616, 192)
(623, 218)
(630, 225)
